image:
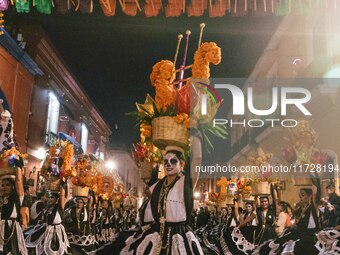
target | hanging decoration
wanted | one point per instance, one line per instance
(176, 8)
(108, 7)
(218, 8)
(130, 7)
(196, 8)
(152, 8)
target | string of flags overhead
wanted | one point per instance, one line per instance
(174, 8)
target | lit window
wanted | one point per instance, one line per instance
(84, 137)
(53, 114)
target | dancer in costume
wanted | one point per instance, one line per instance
(11, 236)
(37, 209)
(78, 227)
(50, 237)
(266, 219)
(169, 209)
(300, 239)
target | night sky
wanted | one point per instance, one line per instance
(112, 57)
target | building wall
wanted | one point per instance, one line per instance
(16, 84)
(315, 40)
(75, 105)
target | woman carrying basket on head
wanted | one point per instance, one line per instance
(50, 237)
(11, 236)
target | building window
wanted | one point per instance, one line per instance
(84, 137)
(53, 114)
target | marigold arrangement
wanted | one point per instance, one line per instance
(260, 159)
(85, 172)
(301, 149)
(176, 97)
(12, 157)
(58, 162)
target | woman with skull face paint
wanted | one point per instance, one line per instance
(169, 209)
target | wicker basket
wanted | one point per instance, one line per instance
(78, 191)
(249, 198)
(5, 169)
(53, 183)
(302, 182)
(260, 188)
(229, 200)
(145, 170)
(165, 131)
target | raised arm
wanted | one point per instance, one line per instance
(19, 184)
(247, 220)
(62, 198)
(236, 210)
(276, 202)
(314, 191)
(258, 203)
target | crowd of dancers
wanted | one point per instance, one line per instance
(261, 227)
(166, 222)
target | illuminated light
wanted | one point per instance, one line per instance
(110, 165)
(197, 194)
(40, 153)
(52, 96)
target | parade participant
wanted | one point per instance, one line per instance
(266, 220)
(249, 218)
(300, 239)
(142, 208)
(25, 208)
(223, 216)
(36, 210)
(50, 237)
(12, 239)
(78, 228)
(105, 229)
(169, 208)
(332, 207)
(283, 219)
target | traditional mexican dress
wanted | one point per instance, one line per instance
(105, 227)
(36, 212)
(49, 237)
(11, 236)
(266, 229)
(169, 209)
(79, 232)
(241, 240)
(299, 240)
(219, 239)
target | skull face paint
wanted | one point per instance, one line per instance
(172, 164)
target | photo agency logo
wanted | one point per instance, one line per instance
(275, 112)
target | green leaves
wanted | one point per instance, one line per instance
(209, 130)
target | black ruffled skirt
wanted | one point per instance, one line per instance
(178, 238)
